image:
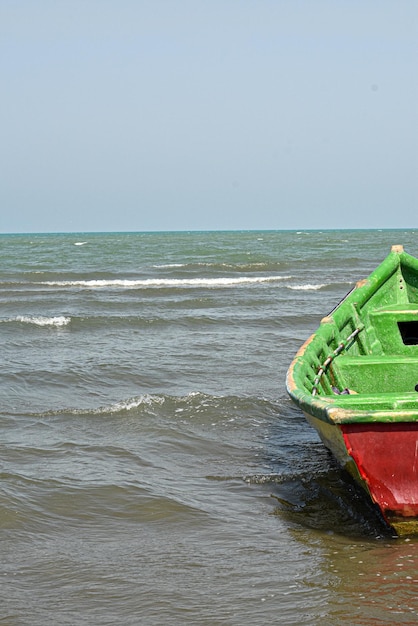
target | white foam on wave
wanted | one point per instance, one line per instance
(80, 243)
(308, 287)
(132, 403)
(152, 400)
(59, 320)
(166, 282)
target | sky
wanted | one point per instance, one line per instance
(159, 115)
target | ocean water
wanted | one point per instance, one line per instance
(153, 470)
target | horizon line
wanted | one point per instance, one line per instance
(198, 230)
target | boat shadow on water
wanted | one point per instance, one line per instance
(328, 502)
(308, 486)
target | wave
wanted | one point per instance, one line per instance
(332, 284)
(308, 287)
(147, 401)
(255, 266)
(165, 282)
(130, 404)
(59, 320)
(169, 265)
(189, 407)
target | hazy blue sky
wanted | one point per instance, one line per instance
(208, 114)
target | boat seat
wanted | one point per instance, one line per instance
(407, 401)
(377, 374)
(376, 359)
(404, 308)
(396, 327)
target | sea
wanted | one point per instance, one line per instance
(153, 470)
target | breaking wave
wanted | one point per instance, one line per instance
(166, 282)
(309, 287)
(59, 320)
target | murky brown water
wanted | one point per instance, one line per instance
(153, 470)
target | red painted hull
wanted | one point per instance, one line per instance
(386, 455)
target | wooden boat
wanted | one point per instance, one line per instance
(356, 380)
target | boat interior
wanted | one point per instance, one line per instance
(384, 362)
(365, 353)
